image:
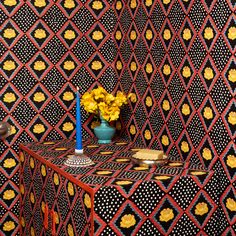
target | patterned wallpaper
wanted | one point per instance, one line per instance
(46, 49)
(179, 60)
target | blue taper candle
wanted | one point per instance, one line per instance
(79, 146)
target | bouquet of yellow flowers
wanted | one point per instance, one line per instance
(100, 102)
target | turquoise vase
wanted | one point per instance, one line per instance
(104, 132)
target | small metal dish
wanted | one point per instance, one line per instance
(159, 162)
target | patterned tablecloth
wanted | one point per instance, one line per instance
(114, 196)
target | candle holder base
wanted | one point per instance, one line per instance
(78, 160)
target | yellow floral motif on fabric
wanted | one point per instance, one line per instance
(201, 209)
(232, 33)
(197, 173)
(8, 194)
(166, 2)
(208, 33)
(166, 69)
(208, 73)
(32, 163)
(69, 34)
(140, 168)
(231, 204)
(148, 3)
(69, 4)
(40, 3)
(122, 160)
(9, 65)
(97, 35)
(22, 190)
(32, 231)
(9, 163)
(69, 65)
(187, 34)
(166, 215)
(167, 34)
(103, 172)
(118, 5)
(231, 161)
(22, 221)
(43, 206)
(162, 177)
(147, 134)
(60, 149)
(96, 65)
(208, 113)
(39, 128)
(175, 164)
(22, 158)
(32, 199)
(119, 65)
(149, 68)
(39, 65)
(165, 140)
(232, 118)
(56, 179)
(68, 96)
(10, 3)
(133, 4)
(123, 182)
(118, 35)
(106, 153)
(70, 230)
(97, 5)
(57, 218)
(9, 226)
(87, 200)
(166, 105)
(186, 109)
(232, 75)
(43, 171)
(9, 33)
(132, 97)
(70, 189)
(39, 97)
(40, 34)
(127, 221)
(186, 72)
(149, 34)
(184, 146)
(206, 153)
(9, 97)
(67, 127)
(148, 101)
(13, 130)
(133, 35)
(133, 66)
(132, 129)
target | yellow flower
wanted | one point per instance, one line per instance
(40, 34)
(231, 161)
(133, 4)
(166, 69)
(39, 65)
(67, 127)
(69, 65)
(43, 171)
(208, 33)
(232, 75)
(186, 72)
(162, 177)
(13, 129)
(8, 194)
(132, 97)
(231, 204)
(149, 35)
(184, 146)
(166, 105)
(185, 109)
(9, 33)
(148, 101)
(232, 118)
(9, 163)
(32, 231)
(9, 65)
(118, 5)
(167, 34)
(207, 113)
(187, 34)
(165, 140)
(123, 182)
(56, 179)
(201, 209)
(206, 153)
(147, 134)
(9, 225)
(148, 3)
(22, 190)
(68, 96)
(39, 128)
(232, 33)
(109, 98)
(132, 129)
(69, 4)
(127, 221)
(87, 200)
(119, 65)
(97, 35)
(103, 172)
(133, 66)
(32, 199)
(166, 1)
(32, 163)
(10, 3)
(40, 3)
(70, 230)
(70, 189)
(39, 97)
(166, 215)
(133, 35)
(22, 221)
(96, 65)
(208, 73)
(149, 68)
(69, 34)
(9, 97)
(97, 5)
(118, 35)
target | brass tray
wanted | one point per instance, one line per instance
(160, 161)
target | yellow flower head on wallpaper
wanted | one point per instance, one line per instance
(232, 75)
(97, 35)
(69, 34)
(69, 4)
(186, 72)
(148, 3)
(100, 102)
(97, 5)
(127, 221)
(40, 34)
(40, 3)
(9, 33)
(39, 65)
(208, 33)
(232, 33)
(9, 65)
(231, 161)
(166, 215)
(10, 3)
(201, 208)
(206, 153)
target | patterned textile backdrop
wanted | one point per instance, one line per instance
(178, 57)
(46, 49)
